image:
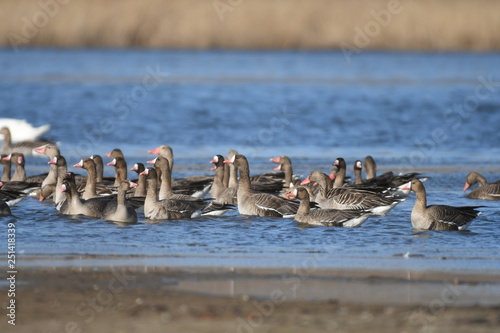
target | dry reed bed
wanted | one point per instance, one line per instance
(413, 25)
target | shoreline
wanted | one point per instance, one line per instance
(127, 299)
(352, 27)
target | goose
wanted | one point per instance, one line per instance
(230, 173)
(285, 165)
(220, 193)
(92, 189)
(140, 190)
(74, 205)
(370, 167)
(121, 211)
(50, 151)
(333, 175)
(167, 209)
(10, 197)
(439, 217)
(358, 178)
(62, 170)
(166, 152)
(260, 204)
(19, 181)
(384, 186)
(4, 209)
(388, 178)
(325, 217)
(195, 186)
(22, 130)
(341, 171)
(18, 160)
(25, 147)
(349, 198)
(6, 173)
(120, 169)
(162, 166)
(115, 153)
(270, 182)
(485, 191)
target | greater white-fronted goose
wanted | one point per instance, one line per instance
(341, 172)
(271, 182)
(333, 176)
(218, 191)
(90, 186)
(230, 172)
(166, 152)
(120, 169)
(285, 165)
(24, 147)
(74, 205)
(439, 217)
(62, 170)
(121, 211)
(388, 178)
(7, 169)
(485, 191)
(19, 180)
(325, 217)
(370, 167)
(195, 186)
(168, 209)
(19, 172)
(162, 166)
(358, 178)
(50, 151)
(260, 204)
(92, 189)
(99, 167)
(381, 185)
(10, 197)
(140, 189)
(4, 209)
(115, 153)
(349, 198)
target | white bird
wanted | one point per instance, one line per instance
(21, 130)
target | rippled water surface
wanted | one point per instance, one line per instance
(435, 113)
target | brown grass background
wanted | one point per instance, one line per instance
(316, 24)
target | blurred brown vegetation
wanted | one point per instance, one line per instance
(315, 24)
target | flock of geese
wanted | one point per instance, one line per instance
(319, 199)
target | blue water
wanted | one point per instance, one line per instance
(411, 111)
